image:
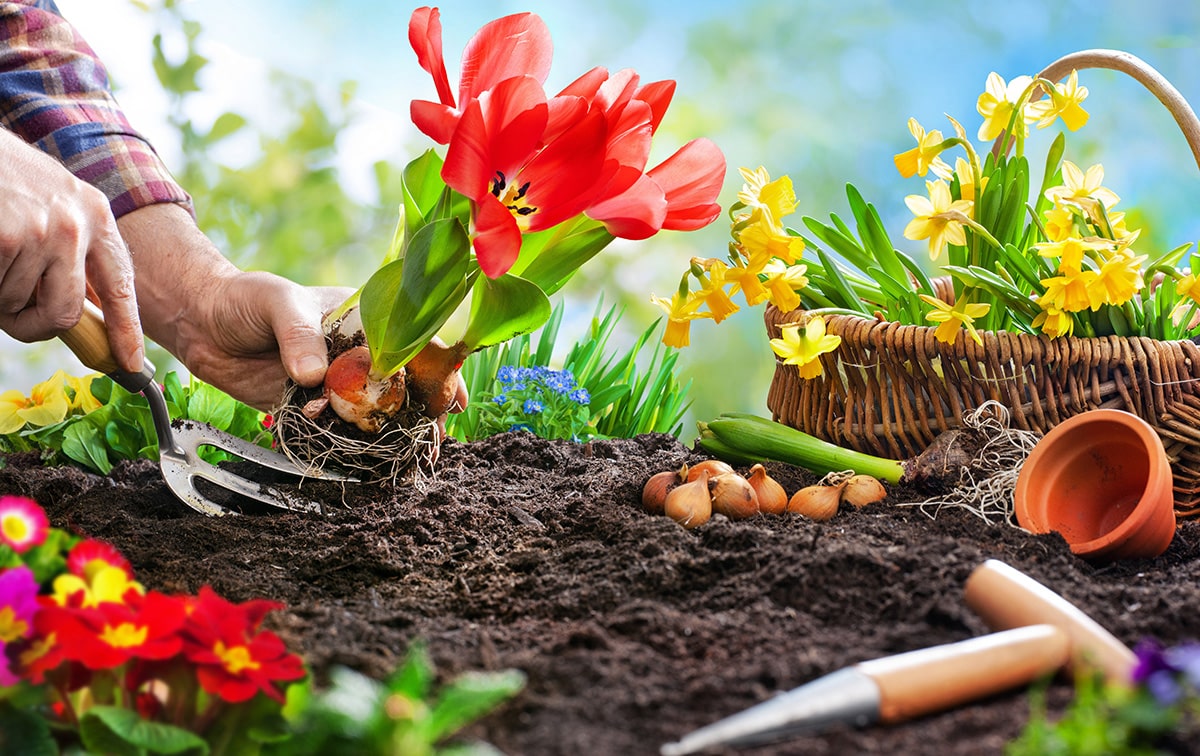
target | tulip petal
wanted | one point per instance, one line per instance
(425, 36)
(497, 239)
(516, 45)
(691, 180)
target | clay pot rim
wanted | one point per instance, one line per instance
(1158, 476)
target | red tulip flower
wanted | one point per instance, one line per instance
(516, 45)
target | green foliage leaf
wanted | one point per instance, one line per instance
(502, 308)
(469, 697)
(114, 730)
(550, 258)
(24, 732)
(405, 302)
(423, 186)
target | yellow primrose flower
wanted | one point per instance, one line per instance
(681, 310)
(1070, 251)
(784, 283)
(1065, 102)
(937, 217)
(953, 318)
(1119, 278)
(1054, 322)
(997, 104)
(776, 198)
(744, 278)
(1068, 292)
(81, 386)
(924, 157)
(766, 238)
(46, 404)
(804, 351)
(1083, 189)
(712, 290)
(109, 584)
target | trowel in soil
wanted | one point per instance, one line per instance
(179, 444)
(892, 689)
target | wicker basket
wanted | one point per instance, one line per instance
(889, 389)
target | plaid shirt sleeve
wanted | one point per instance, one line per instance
(54, 93)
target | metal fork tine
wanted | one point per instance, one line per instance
(180, 474)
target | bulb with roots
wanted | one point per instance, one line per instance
(430, 381)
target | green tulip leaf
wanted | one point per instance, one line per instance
(549, 258)
(406, 301)
(503, 308)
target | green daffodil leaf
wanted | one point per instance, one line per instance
(406, 301)
(503, 308)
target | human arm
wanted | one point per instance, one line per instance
(58, 235)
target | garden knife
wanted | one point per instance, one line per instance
(893, 689)
(179, 445)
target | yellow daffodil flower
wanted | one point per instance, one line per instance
(46, 404)
(744, 278)
(1070, 251)
(804, 351)
(924, 157)
(1059, 222)
(937, 218)
(784, 283)
(1189, 297)
(966, 181)
(1064, 102)
(712, 290)
(1119, 278)
(1054, 322)
(681, 310)
(1186, 287)
(997, 104)
(767, 239)
(1083, 189)
(1068, 292)
(777, 198)
(951, 319)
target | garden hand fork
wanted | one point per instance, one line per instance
(178, 445)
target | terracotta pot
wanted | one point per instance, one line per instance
(1103, 481)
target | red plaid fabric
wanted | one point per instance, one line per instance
(55, 94)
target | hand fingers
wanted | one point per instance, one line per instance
(110, 272)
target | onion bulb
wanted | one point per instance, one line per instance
(654, 493)
(689, 504)
(713, 467)
(817, 502)
(356, 397)
(862, 490)
(772, 499)
(733, 496)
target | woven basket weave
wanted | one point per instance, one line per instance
(889, 389)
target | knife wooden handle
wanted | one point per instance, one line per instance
(1004, 597)
(937, 678)
(88, 339)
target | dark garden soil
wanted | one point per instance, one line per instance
(535, 555)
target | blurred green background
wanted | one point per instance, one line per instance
(288, 120)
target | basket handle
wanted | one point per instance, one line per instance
(1145, 74)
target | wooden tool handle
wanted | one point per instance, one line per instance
(932, 679)
(1005, 597)
(88, 339)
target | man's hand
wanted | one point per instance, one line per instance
(57, 235)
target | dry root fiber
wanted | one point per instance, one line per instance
(405, 446)
(988, 474)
